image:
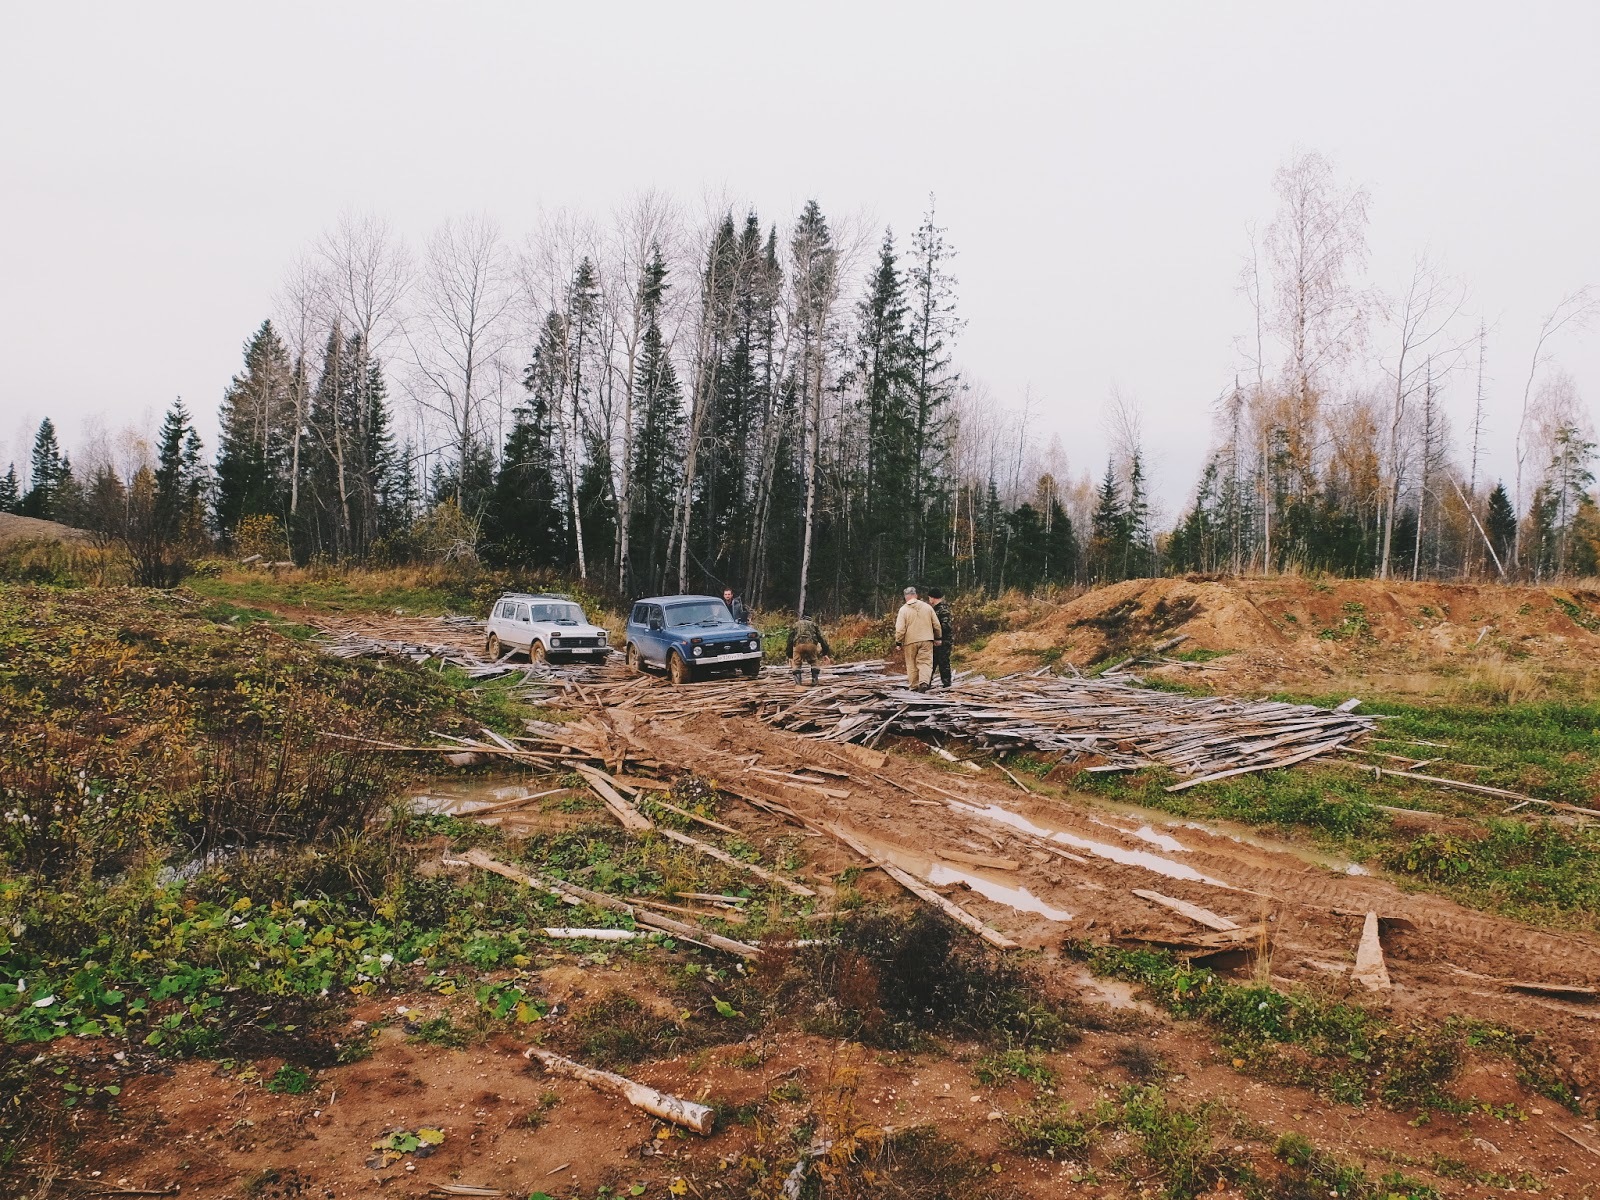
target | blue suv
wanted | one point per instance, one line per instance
(690, 636)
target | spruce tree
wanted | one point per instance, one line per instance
(256, 430)
(45, 480)
(1500, 523)
(180, 478)
(1138, 547)
(933, 326)
(1108, 531)
(884, 360)
(10, 492)
(658, 435)
(1061, 547)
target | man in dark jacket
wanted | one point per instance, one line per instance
(736, 606)
(947, 635)
(806, 644)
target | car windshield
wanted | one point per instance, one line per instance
(558, 614)
(706, 612)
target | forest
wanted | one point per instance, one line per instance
(646, 404)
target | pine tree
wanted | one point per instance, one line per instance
(45, 479)
(10, 492)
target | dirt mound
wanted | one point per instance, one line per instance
(14, 529)
(1299, 633)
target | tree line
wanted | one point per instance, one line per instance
(777, 408)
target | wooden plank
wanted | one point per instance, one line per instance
(1200, 916)
(683, 839)
(925, 893)
(976, 860)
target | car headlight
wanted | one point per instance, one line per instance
(604, 635)
(554, 638)
(755, 644)
(697, 651)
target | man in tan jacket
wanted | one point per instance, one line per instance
(916, 628)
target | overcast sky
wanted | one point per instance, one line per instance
(1097, 167)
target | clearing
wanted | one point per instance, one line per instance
(1372, 970)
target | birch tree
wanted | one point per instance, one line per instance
(1420, 319)
(458, 330)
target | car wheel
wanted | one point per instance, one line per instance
(492, 647)
(635, 663)
(751, 669)
(536, 653)
(680, 670)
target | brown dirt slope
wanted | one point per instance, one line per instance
(14, 529)
(1309, 634)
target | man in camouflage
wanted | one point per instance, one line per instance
(807, 646)
(946, 638)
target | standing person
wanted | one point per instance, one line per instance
(736, 606)
(916, 628)
(806, 640)
(943, 644)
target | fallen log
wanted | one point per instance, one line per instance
(593, 935)
(685, 1113)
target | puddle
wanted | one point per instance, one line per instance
(1145, 833)
(1233, 831)
(1113, 993)
(1019, 898)
(940, 874)
(458, 797)
(1128, 858)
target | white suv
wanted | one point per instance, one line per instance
(544, 627)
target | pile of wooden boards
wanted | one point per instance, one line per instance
(1109, 724)
(451, 640)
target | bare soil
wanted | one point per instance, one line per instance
(1301, 634)
(14, 529)
(217, 1132)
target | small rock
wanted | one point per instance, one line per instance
(1486, 1146)
(997, 1115)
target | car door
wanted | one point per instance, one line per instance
(523, 636)
(499, 622)
(656, 631)
(636, 631)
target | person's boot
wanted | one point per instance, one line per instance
(816, 676)
(797, 676)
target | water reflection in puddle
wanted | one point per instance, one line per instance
(459, 797)
(1128, 858)
(941, 874)
(1019, 898)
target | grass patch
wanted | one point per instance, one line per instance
(1143, 1136)
(1528, 868)
(1351, 1054)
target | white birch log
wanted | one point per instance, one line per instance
(671, 1108)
